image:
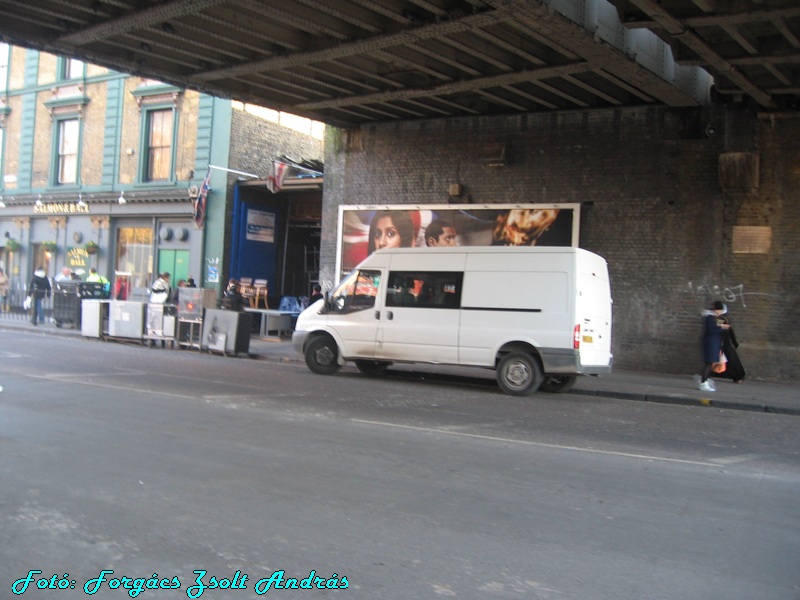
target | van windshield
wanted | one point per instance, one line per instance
(357, 291)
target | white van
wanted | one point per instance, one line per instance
(538, 316)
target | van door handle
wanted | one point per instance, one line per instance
(378, 314)
(389, 315)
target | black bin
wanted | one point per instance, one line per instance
(66, 304)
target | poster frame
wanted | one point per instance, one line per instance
(471, 208)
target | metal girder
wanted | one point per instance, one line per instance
(351, 61)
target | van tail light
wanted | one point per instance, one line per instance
(576, 337)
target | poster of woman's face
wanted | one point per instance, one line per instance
(365, 229)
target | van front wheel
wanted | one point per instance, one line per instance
(519, 374)
(321, 355)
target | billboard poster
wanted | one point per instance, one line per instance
(364, 229)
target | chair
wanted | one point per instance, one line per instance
(261, 287)
(247, 290)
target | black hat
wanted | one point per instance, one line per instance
(719, 305)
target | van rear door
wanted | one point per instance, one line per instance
(593, 312)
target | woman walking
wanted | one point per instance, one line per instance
(714, 327)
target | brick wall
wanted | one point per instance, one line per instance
(652, 205)
(255, 142)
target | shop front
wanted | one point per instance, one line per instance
(127, 238)
(275, 237)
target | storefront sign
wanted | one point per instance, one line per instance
(60, 208)
(260, 226)
(77, 258)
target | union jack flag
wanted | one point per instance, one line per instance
(200, 202)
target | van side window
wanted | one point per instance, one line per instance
(400, 291)
(424, 289)
(357, 292)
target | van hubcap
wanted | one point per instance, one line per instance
(324, 356)
(518, 374)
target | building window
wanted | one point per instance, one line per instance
(135, 254)
(71, 68)
(43, 258)
(158, 144)
(67, 134)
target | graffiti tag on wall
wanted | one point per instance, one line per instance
(729, 294)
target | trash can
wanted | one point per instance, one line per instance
(126, 319)
(227, 331)
(66, 304)
(94, 317)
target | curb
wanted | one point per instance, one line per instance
(683, 400)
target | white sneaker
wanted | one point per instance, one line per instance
(705, 387)
(712, 384)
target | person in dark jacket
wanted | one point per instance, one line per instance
(232, 298)
(38, 289)
(316, 294)
(733, 367)
(714, 327)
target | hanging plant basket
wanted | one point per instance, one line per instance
(12, 245)
(49, 246)
(91, 248)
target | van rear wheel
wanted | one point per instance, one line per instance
(372, 367)
(557, 383)
(519, 374)
(321, 356)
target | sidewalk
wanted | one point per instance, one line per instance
(759, 396)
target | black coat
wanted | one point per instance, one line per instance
(733, 368)
(39, 287)
(233, 300)
(712, 337)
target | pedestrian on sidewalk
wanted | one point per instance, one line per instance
(95, 277)
(39, 288)
(3, 289)
(161, 289)
(714, 326)
(733, 366)
(65, 275)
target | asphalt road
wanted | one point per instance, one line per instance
(155, 462)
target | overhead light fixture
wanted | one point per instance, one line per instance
(39, 200)
(81, 203)
(121, 198)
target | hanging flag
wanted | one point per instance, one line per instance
(275, 181)
(200, 201)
